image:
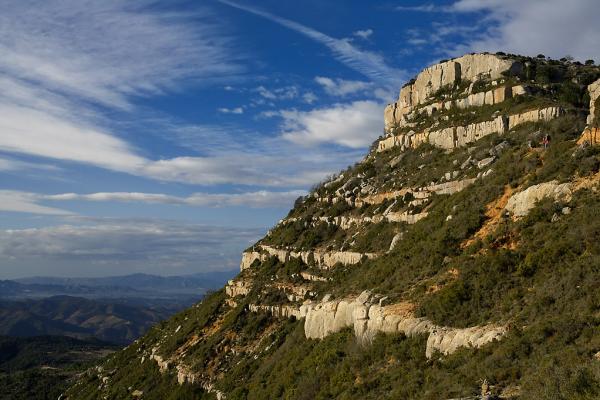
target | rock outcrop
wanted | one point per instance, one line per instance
(320, 258)
(590, 136)
(521, 203)
(594, 90)
(471, 67)
(367, 316)
(458, 136)
(248, 257)
(544, 114)
(238, 287)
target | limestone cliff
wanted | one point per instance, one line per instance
(461, 249)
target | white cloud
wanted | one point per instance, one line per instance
(42, 117)
(105, 246)
(354, 125)
(243, 169)
(553, 27)
(282, 93)
(94, 49)
(22, 202)
(249, 199)
(341, 87)
(309, 97)
(368, 63)
(363, 34)
(26, 202)
(426, 8)
(230, 154)
(8, 164)
(236, 110)
(30, 131)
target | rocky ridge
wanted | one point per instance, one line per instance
(437, 220)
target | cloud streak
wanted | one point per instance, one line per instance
(257, 199)
(366, 62)
(27, 202)
(84, 48)
(341, 87)
(23, 202)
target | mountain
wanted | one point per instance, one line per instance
(459, 259)
(128, 286)
(43, 366)
(79, 318)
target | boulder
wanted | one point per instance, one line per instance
(521, 203)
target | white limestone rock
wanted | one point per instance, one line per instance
(594, 90)
(521, 203)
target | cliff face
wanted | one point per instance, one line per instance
(461, 248)
(448, 75)
(594, 91)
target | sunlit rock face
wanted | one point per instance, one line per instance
(471, 67)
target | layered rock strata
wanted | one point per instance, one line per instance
(238, 288)
(453, 137)
(322, 259)
(394, 119)
(367, 316)
(471, 67)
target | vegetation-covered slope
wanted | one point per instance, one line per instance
(43, 366)
(470, 263)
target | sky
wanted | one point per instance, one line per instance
(166, 137)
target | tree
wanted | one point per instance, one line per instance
(589, 62)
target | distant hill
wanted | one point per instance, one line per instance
(79, 318)
(41, 367)
(140, 282)
(135, 285)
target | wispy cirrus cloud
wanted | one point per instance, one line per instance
(235, 110)
(92, 49)
(426, 8)
(553, 27)
(36, 203)
(368, 63)
(363, 33)
(23, 202)
(45, 117)
(342, 87)
(256, 199)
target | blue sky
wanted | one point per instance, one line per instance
(165, 137)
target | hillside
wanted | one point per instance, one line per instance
(459, 259)
(40, 367)
(79, 318)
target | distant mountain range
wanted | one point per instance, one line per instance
(113, 309)
(79, 318)
(142, 286)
